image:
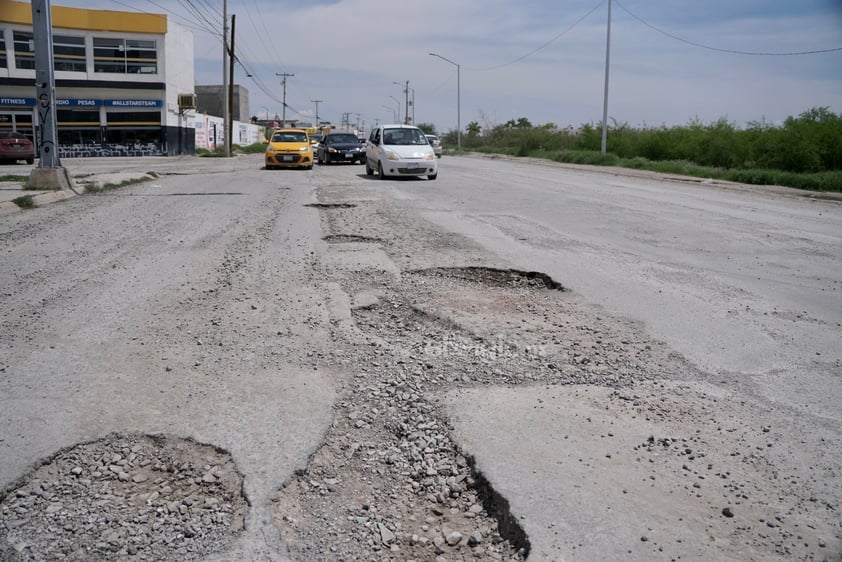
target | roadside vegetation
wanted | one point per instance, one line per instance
(219, 151)
(14, 178)
(804, 152)
(93, 187)
(24, 202)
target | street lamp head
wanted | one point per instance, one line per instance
(458, 98)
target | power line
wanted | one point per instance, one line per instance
(731, 51)
(540, 47)
(190, 7)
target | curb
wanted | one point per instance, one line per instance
(8, 207)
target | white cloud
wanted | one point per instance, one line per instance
(349, 52)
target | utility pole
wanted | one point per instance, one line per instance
(413, 105)
(317, 102)
(49, 173)
(406, 104)
(284, 76)
(225, 76)
(230, 124)
(605, 96)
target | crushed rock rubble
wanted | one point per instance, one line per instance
(126, 496)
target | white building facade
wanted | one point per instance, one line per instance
(120, 78)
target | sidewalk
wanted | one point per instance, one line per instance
(11, 190)
(110, 171)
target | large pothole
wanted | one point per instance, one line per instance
(148, 497)
(349, 238)
(331, 205)
(494, 277)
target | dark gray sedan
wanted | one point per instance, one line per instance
(340, 147)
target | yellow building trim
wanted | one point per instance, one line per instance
(86, 20)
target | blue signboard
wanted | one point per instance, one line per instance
(134, 103)
(72, 102)
(17, 102)
(78, 103)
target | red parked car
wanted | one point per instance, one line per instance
(16, 146)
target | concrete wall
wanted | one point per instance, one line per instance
(210, 101)
(209, 132)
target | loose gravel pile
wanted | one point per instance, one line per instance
(390, 483)
(135, 497)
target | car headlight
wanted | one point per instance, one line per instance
(331, 149)
(270, 149)
(304, 149)
(392, 155)
(430, 156)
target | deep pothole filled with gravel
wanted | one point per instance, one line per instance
(390, 483)
(127, 496)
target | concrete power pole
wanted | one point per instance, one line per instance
(317, 102)
(406, 103)
(229, 140)
(284, 76)
(225, 131)
(49, 174)
(604, 143)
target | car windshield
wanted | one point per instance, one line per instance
(289, 136)
(404, 136)
(337, 139)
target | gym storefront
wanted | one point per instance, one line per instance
(95, 127)
(120, 79)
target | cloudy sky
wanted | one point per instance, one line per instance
(671, 60)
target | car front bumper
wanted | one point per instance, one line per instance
(410, 167)
(288, 160)
(345, 155)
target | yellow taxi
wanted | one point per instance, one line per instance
(289, 148)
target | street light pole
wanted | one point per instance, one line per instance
(458, 99)
(397, 115)
(405, 88)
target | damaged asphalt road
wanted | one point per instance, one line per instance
(518, 361)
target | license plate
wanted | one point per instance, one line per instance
(288, 158)
(412, 165)
(348, 155)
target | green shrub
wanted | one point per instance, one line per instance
(24, 202)
(805, 152)
(256, 148)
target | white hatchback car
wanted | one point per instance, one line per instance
(400, 150)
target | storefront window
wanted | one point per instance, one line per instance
(78, 127)
(16, 121)
(24, 49)
(69, 53)
(125, 56)
(134, 128)
(3, 63)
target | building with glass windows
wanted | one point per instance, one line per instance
(124, 81)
